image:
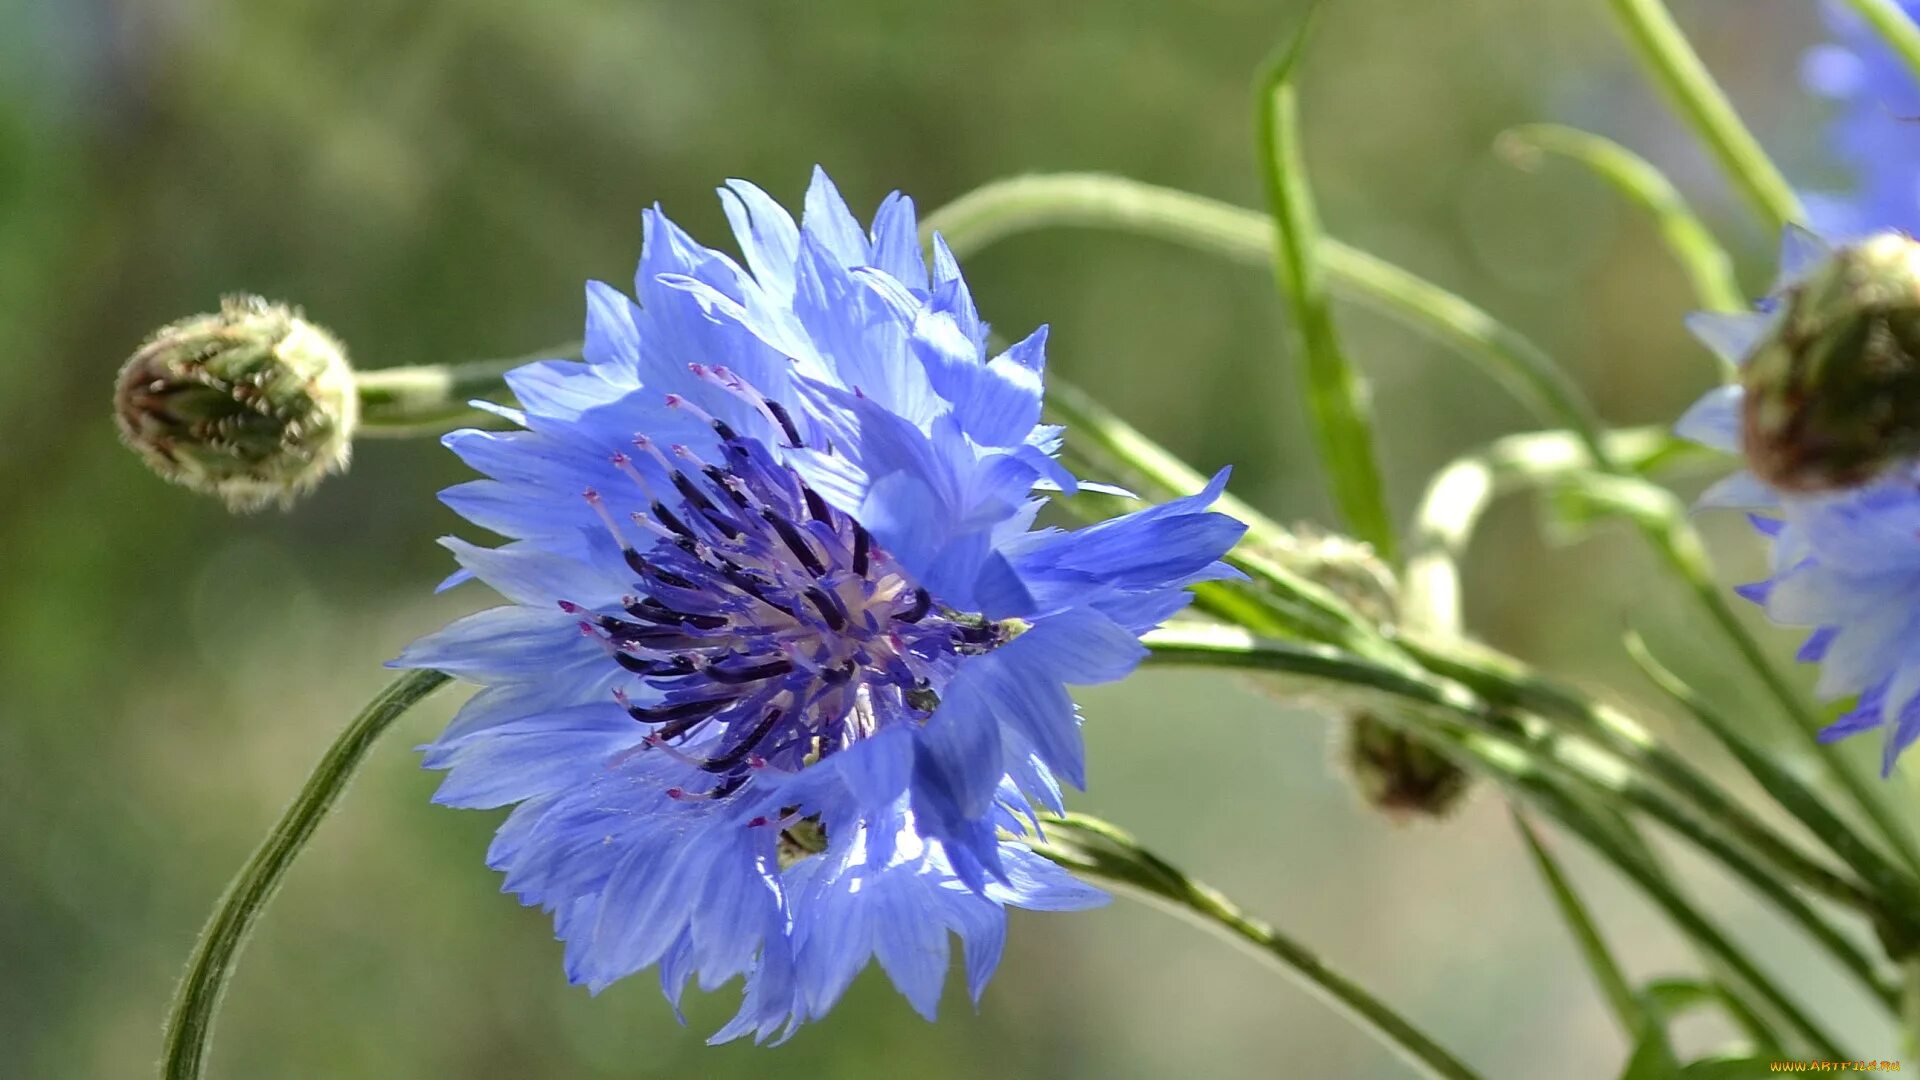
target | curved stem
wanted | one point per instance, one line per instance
(1707, 264)
(1667, 55)
(1005, 208)
(1099, 851)
(189, 1027)
(1460, 493)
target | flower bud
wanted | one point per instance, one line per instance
(253, 403)
(1833, 391)
(1392, 770)
(1397, 773)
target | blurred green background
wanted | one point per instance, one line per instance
(435, 181)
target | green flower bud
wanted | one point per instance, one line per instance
(1393, 771)
(253, 404)
(1833, 390)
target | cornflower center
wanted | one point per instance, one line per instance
(768, 630)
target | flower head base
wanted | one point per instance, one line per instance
(253, 403)
(1833, 387)
(1845, 561)
(784, 662)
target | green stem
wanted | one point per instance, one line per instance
(1460, 493)
(1667, 55)
(428, 399)
(1336, 399)
(1506, 683)
(1004, 208)
(1893, 882)
(1707, 264)
(1565, 763)
(1621, 999)
(1910, 1006)
(1311, 610)
(1662, 518)
(189, 1028)
(1698, 928)
(1894, 26)
(1099, 851)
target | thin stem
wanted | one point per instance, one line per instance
(1312, 610)
(1667, 55)
(1791, 794)
(1895, 27)
(1707, 264)
(1698, 928)
(430, 398)
(1099, 851)
(1621, 999)
(1506, 683)
(1566, 763)
(189, 1029)
(1663, 520)
(1004, 208)
(1335, 397)
(1510, 357)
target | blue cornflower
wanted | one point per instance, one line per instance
(1873, 133)
(1845, 562)
(784, 655)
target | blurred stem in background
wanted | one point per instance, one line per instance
(1894, 26)
(1708, 266)
(1669, 58)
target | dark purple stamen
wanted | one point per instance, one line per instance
(922, 603)
(829, 610)
(795, 542)
(748, 674)
(738, 754)
(685, 710)
(665, 517)
(779, 412)
(760, 617)
(862, 546)
(817, 507)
